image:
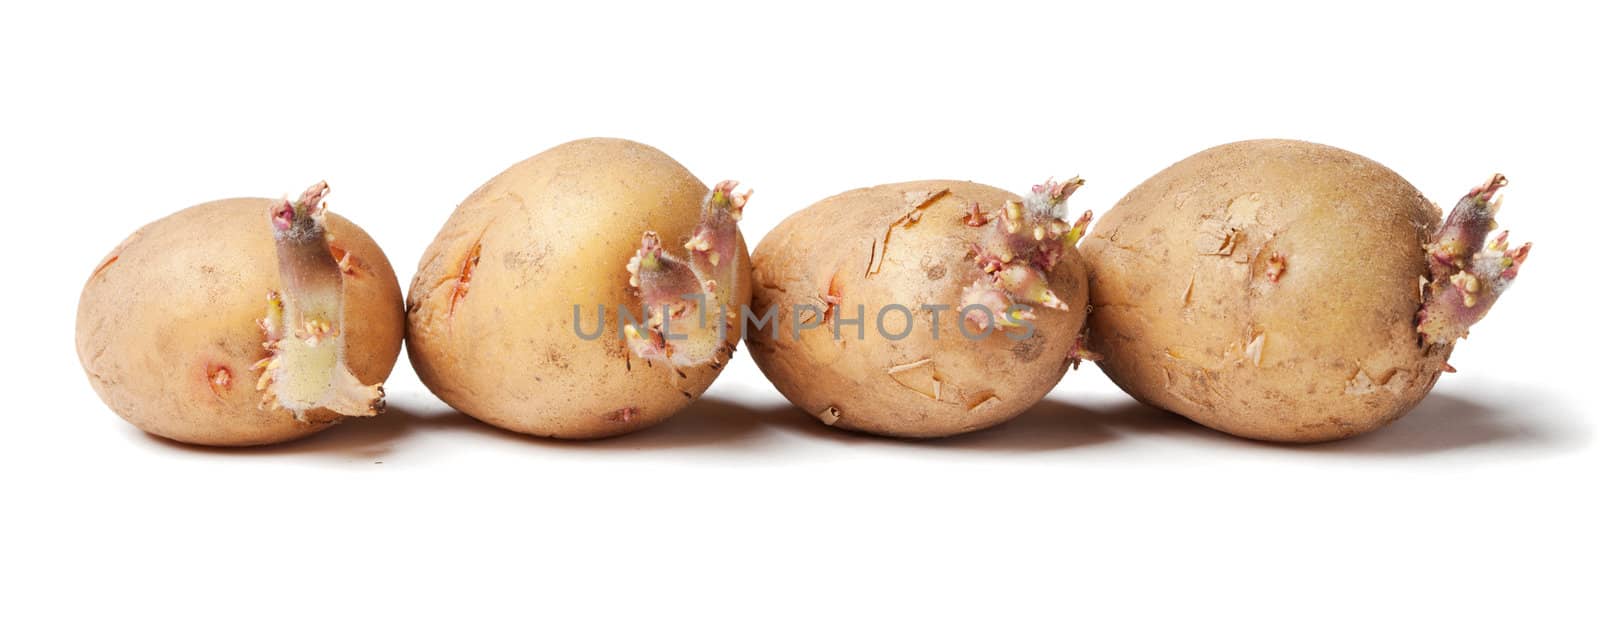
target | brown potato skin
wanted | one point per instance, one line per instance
(180, 298)
(1339, 354)
(555, 230)
(926, 263)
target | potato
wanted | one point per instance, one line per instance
(1273, 289)
(890, 256)
(505, 311)
(172, 324)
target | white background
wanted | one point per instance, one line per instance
(1476, 512)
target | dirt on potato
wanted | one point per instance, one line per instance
(1268, 289)
(505, 308)
(169, 324)
(854, 282)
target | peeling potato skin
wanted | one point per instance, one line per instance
(848, 383)
(1338, 355)
(552, 231)
(180, 301)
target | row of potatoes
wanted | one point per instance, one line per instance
(1276, 290)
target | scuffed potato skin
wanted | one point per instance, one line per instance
(875, 385)
(1267, 289)
(177, 303)
(552, 231)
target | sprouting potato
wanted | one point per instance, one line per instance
(920, 309)
(244, 321)
(553, 301)
(1288, 291)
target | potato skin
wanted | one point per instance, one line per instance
(831, 243)
(179, 299)
(551, 232)
(1175, 317)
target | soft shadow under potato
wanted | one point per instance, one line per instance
(1442, 423)
(1448, 422)
(1047, 426)
(708, 421)
(363, 438)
